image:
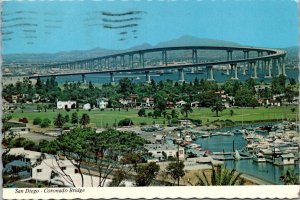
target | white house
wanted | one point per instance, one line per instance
(148, 102)
(102, 103)
(65, 104)
(19, 130)
(87, 106)
(195, 104)
(62, 172)
(5, 105)
(180, 103)
(169, 150)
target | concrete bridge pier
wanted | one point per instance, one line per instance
(148, 78)
(234, 66)
(283, 65)
(227, 70)
(115, 62)
(83, 78)
(210, 73)
(181, 75)
(254, 67)
(164, 58)
(131, 60)
(122, 61)
(112, 78)
(229, 54)
(268, 69)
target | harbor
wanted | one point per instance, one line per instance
(263, 151)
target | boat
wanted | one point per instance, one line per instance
(259, 157)
(188, 139)
(236, 155)
(206, 135)
(266, 128)
(228, 133)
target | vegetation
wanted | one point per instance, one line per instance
(220, 176)
(145, 174)
(176, 170)
(290, 177)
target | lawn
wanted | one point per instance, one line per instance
(109, 117)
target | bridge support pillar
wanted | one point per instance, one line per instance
(246, 64)
(122, 61)
(131, 60)
(164, 58)
(210, 73)
(83, 78)
(283, 65)
(253, 65)
(148, 78)
(235, 77)
(268, 69)
(142, 61)
(181, 75)
(112, 78)
(229, 54)
(227, 70)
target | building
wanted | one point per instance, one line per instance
(5, 105)
(165, 151)
(148, 102)
(180, 103)
(66, 104)
(102, 103)
(285, 159)
(87, 106)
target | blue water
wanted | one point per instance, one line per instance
(265, 171)
(218, 76)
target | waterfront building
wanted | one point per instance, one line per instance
(285, 159)
(87, 106)
(102, 103)
(165, 151)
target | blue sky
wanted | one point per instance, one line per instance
(53, 26)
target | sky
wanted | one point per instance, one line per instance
(54, 26)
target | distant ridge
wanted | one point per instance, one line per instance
(66, 56)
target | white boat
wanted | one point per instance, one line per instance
(237, 156)
(228, 133)
(259, 157)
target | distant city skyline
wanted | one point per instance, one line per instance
(50, 27)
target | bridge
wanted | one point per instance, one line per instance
(134, 61)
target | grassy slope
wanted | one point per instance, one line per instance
(101, 118)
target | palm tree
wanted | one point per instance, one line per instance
(186, 109)
(290, 177)
(218, 107)
(220, 176)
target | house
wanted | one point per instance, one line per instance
(36, 98)
(19, 130)
(180, 103)
(165, 151)
(5, 105)
(65, 104)
(184, 122)
(102, 103)
(285, 159)
(61, 172)
(195, 104)
(169, 105)
(148, 102)
(87, 106)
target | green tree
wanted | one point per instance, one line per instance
(220, 176)
(142, 112)
(290, 177)
(85, 119)
(67, 118)
(45, 123)
(74, 118)
(174, 114)
(37, 121)
(59, 120)
(156, 113)
(231, 112)
(176, 170)
(218, 107)
(186, 109)
(146, 173)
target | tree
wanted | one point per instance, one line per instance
(85, 119)
(174, 114)
(145, 174)
(125, 122)
(101, 149)
(142, 112)
(290, 177)
(67, 118)
(59, 120)
(37, 121)
(39, 107)
(156, 113)
(187, 108)
(220, 176)
(218, 107)
(231, 112)
(74, 118)
(175, 170)
(45, 123)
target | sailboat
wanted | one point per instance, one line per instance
(237, 155)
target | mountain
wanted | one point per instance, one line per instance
(188, 40)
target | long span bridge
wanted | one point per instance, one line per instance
(134, 61)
